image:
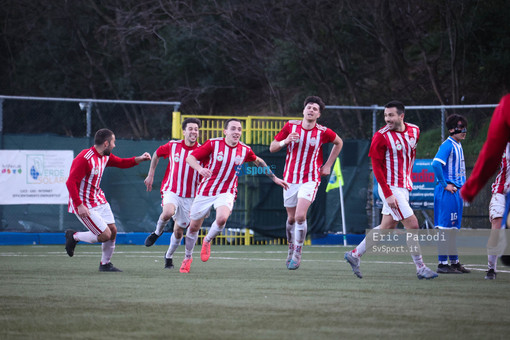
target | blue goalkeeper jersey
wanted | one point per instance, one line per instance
(451, 157)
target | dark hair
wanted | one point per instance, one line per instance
(230, 120)
(395, 103)
(192, 121)
(102, 136)
(316, 100)
(452, 120)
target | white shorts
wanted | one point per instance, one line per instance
(99, 218)
(497, 206)
(404, 209)
(306, 190)
(182, 208)
(202, 204)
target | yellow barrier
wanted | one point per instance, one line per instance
(256, 129)
(238, 237)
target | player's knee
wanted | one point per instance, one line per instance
(300, 218)
(105, 235)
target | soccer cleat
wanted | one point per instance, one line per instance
(108, 268)
(151, 239)
(205, 253)
(460, 268)
(354, 262)
(447, 269)
(296, 259)
(491, 274)
(426, 273)
(289, 254)
(186, 265)
(70, 242)
(169, 263)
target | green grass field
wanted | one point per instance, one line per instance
(242, 292)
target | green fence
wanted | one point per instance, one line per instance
(259, 205)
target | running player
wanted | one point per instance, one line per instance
(218, 186)
(303, 170)
(393, 151)
(178, 187)
(88, 202)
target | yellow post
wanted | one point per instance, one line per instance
(247, 237)
(248, 131)
(176, 125)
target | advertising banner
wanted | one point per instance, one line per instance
(34, 176)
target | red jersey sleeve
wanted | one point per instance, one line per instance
(122, 163)
(284, 132)
(250, 156)
(490, 156)
(377, 154)
(329, 136)
(203, 152)
(163, 151)
(79, 169)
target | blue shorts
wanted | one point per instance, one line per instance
(447, 208)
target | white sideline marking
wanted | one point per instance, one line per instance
(152, 254)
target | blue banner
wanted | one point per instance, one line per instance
(424, 182)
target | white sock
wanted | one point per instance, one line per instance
(290, 231)
(174, 243)
(160, 226)
(493, 260)
(85, 236)
(418, 261)
(362, 247)
(214, 231)
(191, 239)
(108, 247)
(300, 233)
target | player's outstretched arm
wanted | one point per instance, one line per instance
(261, 163)
(145, 157)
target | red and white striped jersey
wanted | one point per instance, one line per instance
(180, 178)
(304, 158)
(223, 161)
(393, 154)
(85, 177)
(502, 182)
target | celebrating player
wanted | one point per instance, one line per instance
(178, 187)
(303, 170)
(218, 186)
(88, 202)
(393, 151)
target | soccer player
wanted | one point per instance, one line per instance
(88, 202)
(490, 156)
(303, 170)
(500, 189)
(178, 187)
(393, 151)
(450, 171)
(218, 186)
